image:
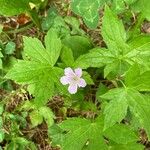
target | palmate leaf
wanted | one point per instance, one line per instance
(137, 103)
(120, 54)
(84, 134)
(39, 70)
(88, 9)
(129, 96)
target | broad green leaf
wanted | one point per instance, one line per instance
(143, 6)
(121, 134)
(116, 67)
(44, 90)
(139, 106)
(61, 27)
(10, 48)
(37, 69)
(135, 79)
(53, 45)
(116, 109)
(97, 57)
(141, 42)
(120, 55)
(15, 7)
(118, 6)
(88, 9)
(34, 49)
(75, 25)
(137, 103)
(140, 50)
(67, 56)
(79, 131)
(36, 118)
(48, 115)
(129, 146)
(2, 136)
(131, 74)
(121, 5)
(113, 32)
(87, 78)
(48, 21)
(79, 45)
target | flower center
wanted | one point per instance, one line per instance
(75, 78)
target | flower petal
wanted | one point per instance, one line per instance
(82, 83)
(78, 72)
(72, 88)
(64, 80)
(69, 72)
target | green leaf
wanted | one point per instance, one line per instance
(47, 115)
(140, 50)
(79, 131)
(113, 31)
(10, 48)
(135, 79)
(78, 44)
(116, 109)
(143, 6)
(88, 10)
(34, 49)
(75, 25)
(2, 136)
(141, 42)
(121, 5)
(139, 106)
(120, 55)
(9, 7)
(121, 134)
(37, 69)
(129, 146)
(67, 56)
(87, 78)
(15, 7)
(36, 118)
(53, 45)
(48, 21)
(97, 57)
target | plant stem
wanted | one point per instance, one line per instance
(20, 29)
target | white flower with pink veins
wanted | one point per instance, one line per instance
(73, 78)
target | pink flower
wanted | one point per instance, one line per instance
(73, 78)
